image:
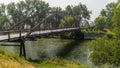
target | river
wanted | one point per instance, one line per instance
(44, 48)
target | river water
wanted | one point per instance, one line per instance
(44, 48)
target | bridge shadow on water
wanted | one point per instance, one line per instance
(68, 48)
(54, 48)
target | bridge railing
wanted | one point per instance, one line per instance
(19, 34)
(7, 35)
(53, 29)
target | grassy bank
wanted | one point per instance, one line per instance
(9, 60)
(58, 63)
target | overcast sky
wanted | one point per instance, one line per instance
(93, 5)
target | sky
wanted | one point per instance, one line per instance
(93, 5)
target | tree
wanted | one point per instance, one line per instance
(55, 9)
(104, 20)
(100, 23)
(55, 21)
(78, 12)
(69, 10)
(116, 21)
(81, 11)
(12, 13)
(36, 6)
(4, 22)
(105, 51)
(67, 21)
(15, 12)
(27, 8)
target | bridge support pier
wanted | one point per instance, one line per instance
(22, 48)
(78, 35)
(63, 35)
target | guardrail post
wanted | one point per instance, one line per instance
(22, 48)
(20, 34)
(8, 36)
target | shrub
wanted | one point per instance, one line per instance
(105, 51)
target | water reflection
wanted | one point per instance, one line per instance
(69, 49)
(47, 48)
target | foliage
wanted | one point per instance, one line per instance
(104, 20)
(59, 63)
(100, 23)
(116, 21)
(12, 13)
(4, 22)
(26, 8)
(105, 51)
(58, 9)
(77, 14)
(80, 11)
(67, 21)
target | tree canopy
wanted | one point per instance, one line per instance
(104, 20)
(12, 13)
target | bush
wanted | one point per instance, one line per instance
(105, 51)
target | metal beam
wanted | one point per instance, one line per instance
(23, 20)
(49, 16)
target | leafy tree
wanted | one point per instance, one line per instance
(26, 8)
(116, 20)
(36, 6)
(81, 11)
(104, 20)
(105, 51)
(67, 21)
(100, 23)
(78, 12)
(56, 9)
(55, 21)
(13, 13)
(69, 9)
(4, 22)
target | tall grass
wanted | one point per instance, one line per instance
(10, 60)
(59, 63)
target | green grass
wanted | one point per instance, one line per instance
(59, 63)
(10, 60)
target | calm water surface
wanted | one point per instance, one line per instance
(47, 48)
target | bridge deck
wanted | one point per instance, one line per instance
(17, 35)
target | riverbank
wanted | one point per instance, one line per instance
(16, 62)
(10, 60)
(58, 63)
